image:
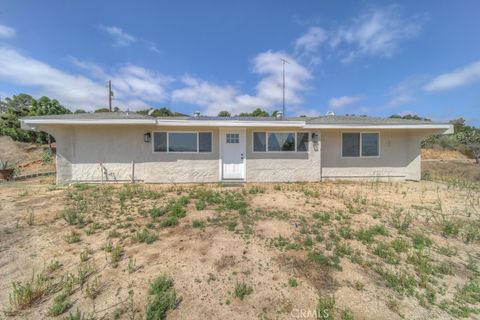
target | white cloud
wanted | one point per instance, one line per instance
(311, 40)
(121, 38)
(339, 102)
(6, 32)
(457, 78)
(405, 92)
(377, 32)
(131, 82)
(214, 98)
(134, 86)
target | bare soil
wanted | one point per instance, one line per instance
(25, 157)
(261, 235)
(443, 154)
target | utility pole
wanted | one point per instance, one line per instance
(283, 109)
(110, 95)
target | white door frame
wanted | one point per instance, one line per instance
(221, 134)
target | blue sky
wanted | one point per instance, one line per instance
(359, 57)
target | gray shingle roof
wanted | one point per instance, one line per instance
(327, 120)
(365, 120)
(209, 118)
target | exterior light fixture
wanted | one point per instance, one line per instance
(147, 137)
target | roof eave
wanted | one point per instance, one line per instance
(229, 123)
(448, 128)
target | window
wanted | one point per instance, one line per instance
(280, 141)
(369, 144)
(182, 142)
(233, 138)
(351, 145)
(302, 141)
(205, 142)
(359, 144)
(259, 142)
(160, 141)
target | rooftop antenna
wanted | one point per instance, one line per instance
(283, 65)
(110, 95)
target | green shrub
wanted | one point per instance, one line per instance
(368, 235)
(399, 281)
(164, 298)
(256, 190)
(169, 222)
(200, 205)
(198, 224)
(292, 282)
(450, 228)
(24, 295)
(156, 212)
(145, 236)
(325, 308)
(73, 217)
(400, 245)
(387, 253)
(326, 261)
(420, 241)
(73, 237)
(242, 290)
(322, 216)
(61, 303)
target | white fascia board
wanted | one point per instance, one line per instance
(230, 123)
(447, 127)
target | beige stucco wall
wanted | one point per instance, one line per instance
(282, 166)
(399, 157)
(83, 149)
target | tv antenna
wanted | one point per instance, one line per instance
(283, 65)
(110, 95)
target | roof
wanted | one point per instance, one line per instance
(322, 122)
(366, 120)
(93, 116)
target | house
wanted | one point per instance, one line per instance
(120, 147)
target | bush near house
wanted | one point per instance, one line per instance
(466, 139)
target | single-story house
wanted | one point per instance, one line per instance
(120, 147)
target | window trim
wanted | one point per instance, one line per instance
(360, 149)
(181, 152)
(266, 141)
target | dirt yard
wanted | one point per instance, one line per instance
(333, 250)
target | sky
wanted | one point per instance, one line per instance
(374, 58)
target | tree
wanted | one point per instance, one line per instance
(224, 114)
(19, 101)
(80, 111)
(162, 112)
(409, 117)
(23, 105)
(256, 113)
(116, 109)
(102, 110)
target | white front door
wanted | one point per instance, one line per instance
(233, 154)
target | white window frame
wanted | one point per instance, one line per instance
(360, 150)
(266, 141)
(181, 152)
